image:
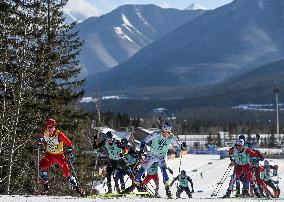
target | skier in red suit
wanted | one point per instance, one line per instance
(55, 140)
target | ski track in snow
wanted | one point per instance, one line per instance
(212, 170)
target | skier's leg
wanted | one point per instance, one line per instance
(147, 179)
(163, 167)
(246, 169)
(61, 160)
(43, 166)
(156, 180)
(109, 170)
(150, 160)
(116, 179)
(179, 191)
(188, 192)
(273, 187)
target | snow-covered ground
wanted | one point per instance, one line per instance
(210, 166)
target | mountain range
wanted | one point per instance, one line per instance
(214, 47)
(116, 36)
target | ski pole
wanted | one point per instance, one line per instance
(73, 169)
(222, 180)
(150, 190)
(180, 156)
(38, 158)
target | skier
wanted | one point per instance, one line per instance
(152, 174)
(239, 156)
(55, 141)
(258, 176)
(161, 141)
(267, 178)
(243, 179)
(183, 184)
(250, 144)
(132, 160)
(115, 154)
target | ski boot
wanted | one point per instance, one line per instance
(256, 192)
(246, 193)
(131, 188)
(238, 193)
(228, 194)
(276, 194)
(45, 189)
(74, 184)
(109, 189)
(80, 191)
(168, 191)
(122, 186)
(157, 192)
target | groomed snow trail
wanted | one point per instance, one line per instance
(210, 166)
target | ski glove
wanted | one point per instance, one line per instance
(39, 144)
(171, 171)
(183, 146)
(142, 146)
(257, 136)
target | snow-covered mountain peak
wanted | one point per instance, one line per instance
(196, 6)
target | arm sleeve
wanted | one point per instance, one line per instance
(231, 151)
(176, 142)
(254, 153)
(98, 145)
(150, 137)
(190, 181)
(65, 139)
(175, 179)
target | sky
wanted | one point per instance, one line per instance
(83, 9)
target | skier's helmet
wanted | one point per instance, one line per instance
(124, 141)
(109, 135)
(242, 137)
(167, 127)
(266, 163)
(183, 172)
(50, 123)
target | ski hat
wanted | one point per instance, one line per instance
(51, 122)
(183, 172)
(109, 135)
(266, 163)
(242, 137)
(240, 142)
(124, 141)
(167, 127)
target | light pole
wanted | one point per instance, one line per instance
(185, 131)
(276, 91)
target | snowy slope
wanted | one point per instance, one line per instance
(210, 165)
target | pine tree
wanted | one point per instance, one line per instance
(39, 78)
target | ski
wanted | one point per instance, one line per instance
(116, 195)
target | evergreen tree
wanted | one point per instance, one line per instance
(39, 79)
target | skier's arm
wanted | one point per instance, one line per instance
(170, 170)
(231, 150)
(254, 153)
(176, 142)
(191, 183)
(147, 139)
(150, 137)
(65, 139)
(175, 179)
(98, 145)
(275, 167)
